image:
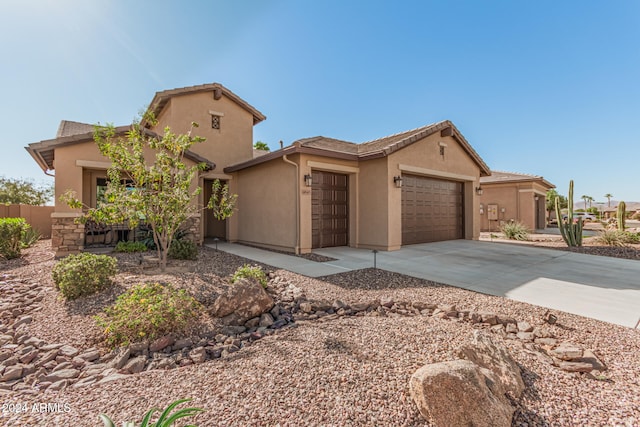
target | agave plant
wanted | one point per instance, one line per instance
(166, 418)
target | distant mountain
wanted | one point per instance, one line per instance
(631, 206)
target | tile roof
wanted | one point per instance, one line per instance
(69, 128)
(43, 152)
(161, 98)
(502, 176)
(381, 147)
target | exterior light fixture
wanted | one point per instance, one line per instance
(308, 180)
(536, 198)
(479, 191)
(397, 180)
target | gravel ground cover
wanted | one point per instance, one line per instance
(590, 245)
(340, 372)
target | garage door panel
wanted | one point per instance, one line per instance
(432, 210)
(330, 210)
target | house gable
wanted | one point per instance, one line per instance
(224, 120)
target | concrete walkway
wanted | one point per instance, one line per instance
(593, 286)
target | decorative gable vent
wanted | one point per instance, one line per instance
(216, 118)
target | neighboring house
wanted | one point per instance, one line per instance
(508, 196)
(412, 187)
(631, 209)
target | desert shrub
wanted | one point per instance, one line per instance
(29, 236)
(515, 230)
(609, 237)
(253, 272)
(11, 230)
(636, 216)
(183, 249)
(166, 419)
(615, 237)
(83, 274)
(630, 238)
(129, 247)
(148, 311)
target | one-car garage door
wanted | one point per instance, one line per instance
(329, 209)
(432, 210)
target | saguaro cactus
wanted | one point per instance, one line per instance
(571, 231)
(622, 207)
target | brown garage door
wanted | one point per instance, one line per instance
(432, 210)
(329, 209)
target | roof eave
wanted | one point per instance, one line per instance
(292, 149)
(38, 158)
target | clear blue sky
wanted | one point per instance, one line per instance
(546, 87)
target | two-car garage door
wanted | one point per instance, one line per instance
(432, 210)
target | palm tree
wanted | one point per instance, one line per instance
(609, 196)
(259, 145)
(586, 199)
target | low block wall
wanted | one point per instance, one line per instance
(38, 217)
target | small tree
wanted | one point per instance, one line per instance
(159, 193)
(20, 191)
(259, 145)
(551, 200)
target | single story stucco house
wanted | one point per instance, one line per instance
(415, 186)
(509, 196)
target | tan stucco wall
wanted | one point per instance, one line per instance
(376, 195)
(232, 143)
(423, 158)
(266, 208)
(69, 176)
(515, 200)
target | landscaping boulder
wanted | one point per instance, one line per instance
(244, 299)
(456, 393)
(487, 354)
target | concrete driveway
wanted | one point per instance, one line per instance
(593, 286)
(599, 287)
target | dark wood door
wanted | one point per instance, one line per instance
(432, 210)
(329, 209)
(541, 221)
(213, 227)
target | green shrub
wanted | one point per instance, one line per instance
(183, 249)
(148, 311)
(615, 237)
(515, 230)
(11, 230)
(83, 274)
(166, 419)
(129, 247)
(247, 271)
(29, 236)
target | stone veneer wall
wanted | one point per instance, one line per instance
(67, 236)
(192, 226)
